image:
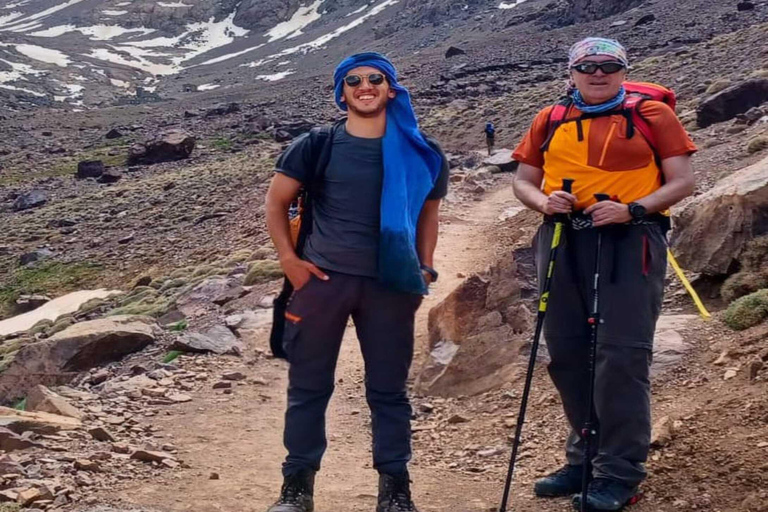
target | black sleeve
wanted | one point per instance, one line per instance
(296, 160)
(440, 190)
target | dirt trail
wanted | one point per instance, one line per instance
(239, 437)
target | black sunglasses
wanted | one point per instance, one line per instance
(590, 68)
(356, 80)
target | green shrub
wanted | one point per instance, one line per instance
(747, 311)
(262, 271)
(757, 144)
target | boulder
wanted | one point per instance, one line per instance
(42, 399)
(502, 159)
(114, 133)
(477, 333)
(453, 52)
(217, 339)
(78, 348)
(175, 145)
(110, 176)
(37, 422)
(222, 110)
(89, 169)
(10, 441)
(714, 229)
(732, 101)
(34, 256)
(29, 200)
(745, 6)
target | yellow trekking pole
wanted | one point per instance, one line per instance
(695, 296)
(560, 220)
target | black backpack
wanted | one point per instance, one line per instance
(321, 139)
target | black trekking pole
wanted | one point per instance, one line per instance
(589, 431)
(560, 220)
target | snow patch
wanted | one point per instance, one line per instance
(174, 4)
(151, 89)
(229, 56)
(43, 54)
(515, 3)
(275, 77)
(323, 40)
(17, 4)
(138, 61)
(358, 11)
(8, 18)
(119, 83)
(293, 27)
(97, 32)
(21, 89)
(208, 87)
(114, 13)
(42, 14)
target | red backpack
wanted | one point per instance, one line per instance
(637, 93)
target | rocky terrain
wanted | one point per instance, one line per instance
(150, 187)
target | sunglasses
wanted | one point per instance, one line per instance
(590, 68)
(357, 80)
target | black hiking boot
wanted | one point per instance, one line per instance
(605, 494)
(563, 482)
(296, 494)
(395, 493)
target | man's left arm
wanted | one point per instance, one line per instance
(426, 235)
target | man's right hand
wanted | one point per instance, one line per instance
(299, 271)
(558, 202)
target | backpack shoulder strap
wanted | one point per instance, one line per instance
(636, 120)
(556, 118)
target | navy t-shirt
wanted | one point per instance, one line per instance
(346, 210)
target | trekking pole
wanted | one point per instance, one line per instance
(588, 432)
(560, 220)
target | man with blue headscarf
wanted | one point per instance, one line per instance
(375, 183)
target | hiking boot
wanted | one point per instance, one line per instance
(296, 494)
(395, 493)
(563, 482)
(605, 494)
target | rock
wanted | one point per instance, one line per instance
(78, 348)
(110, 176)
(217, 339)
(114, 133)
(453, 52)
(101, 434)
(53, 310)
(122, 448)
(234, 376)
(222, 385)
(9, 496)
(282, 136)
(29, 200)
(214, 476)
(9, 465)
(34, 256)
(754, 369)
(150, 456)
(38, 422)
(732, 101)
(456, 419)
(29, 496)
(222, 110)
(234, 321)
(645, 20)
(11, 441)
(126, 239)
(502, 159)
(189, 303)
(87, 465)
(89, 169)
(26, 303)
(179, 398)
(176, 145)
(730, 373)
(661, 434)
(476, 333)
(42, 399)
(713, 230)
(231, 294)
(745, 6)
(669, 346)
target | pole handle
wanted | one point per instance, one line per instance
(602, 197)
(568, 185)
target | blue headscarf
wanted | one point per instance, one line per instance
(411, 168)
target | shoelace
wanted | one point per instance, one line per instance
(291, 493)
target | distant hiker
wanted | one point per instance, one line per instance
(364, 249)
(490, 136)
(611, 140)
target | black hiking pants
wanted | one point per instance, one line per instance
(315, 322)
(632, 273)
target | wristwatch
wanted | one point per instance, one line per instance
(432, 272)
(637, 211)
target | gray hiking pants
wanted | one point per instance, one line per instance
(632, 274)
(316, 319)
